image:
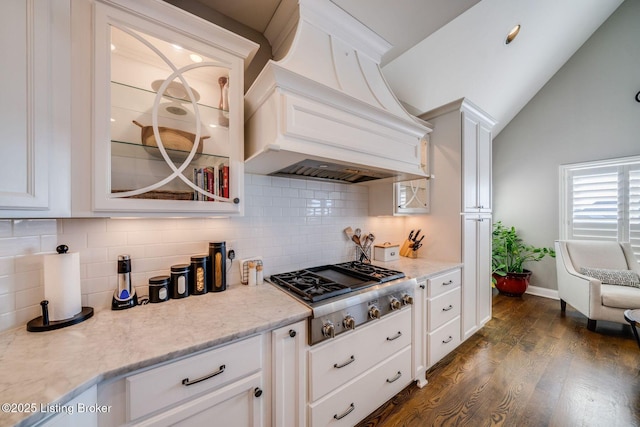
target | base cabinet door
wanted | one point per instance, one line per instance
(289, 375)
(238, 404)
(81, 412)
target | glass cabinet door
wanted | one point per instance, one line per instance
(412, 196)
(169, 133)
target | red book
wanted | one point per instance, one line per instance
(225, 181)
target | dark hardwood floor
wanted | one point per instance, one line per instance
(529, 366)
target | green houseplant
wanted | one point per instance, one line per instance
(509, 254)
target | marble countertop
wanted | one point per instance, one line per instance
(54, 367)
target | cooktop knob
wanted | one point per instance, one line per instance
(395, 304)
(328, 330)
(374, 312)
(407, 299)
(349, 322)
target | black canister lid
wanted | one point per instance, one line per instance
(217, 244)
(159, 280)
(180, 268)
(199, 258)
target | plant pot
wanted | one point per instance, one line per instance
(513, 284)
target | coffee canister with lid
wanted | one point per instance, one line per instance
(199, 275)
(159, 288)
(218, 254)
(180, 280)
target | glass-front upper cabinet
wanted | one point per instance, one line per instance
(412, 197)
(168, 113)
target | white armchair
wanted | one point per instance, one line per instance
(590, 296)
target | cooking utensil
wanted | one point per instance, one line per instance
(358, 232)
(349, 232)
(356, 240)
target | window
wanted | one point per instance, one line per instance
(601, 201)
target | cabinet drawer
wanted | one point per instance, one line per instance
(164, 386)
(340, 360)
(443, 340)
(444, 283)
(359, 398)
(443, 308)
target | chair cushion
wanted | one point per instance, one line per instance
(623, 297)
(588, 253)
(612, 277)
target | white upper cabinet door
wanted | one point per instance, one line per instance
(167, 112)
(476, 152)
(34, 177)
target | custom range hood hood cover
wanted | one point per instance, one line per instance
(322, 109)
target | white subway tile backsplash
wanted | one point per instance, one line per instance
(34, 227)
(19, 245)
(291, 223)
(6, 228)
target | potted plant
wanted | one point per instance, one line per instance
(509, 254)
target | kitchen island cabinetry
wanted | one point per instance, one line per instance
(165, 107)
(36, 48)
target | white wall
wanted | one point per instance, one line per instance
(291, 223)
(585, 112)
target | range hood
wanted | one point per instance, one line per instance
(322, 108)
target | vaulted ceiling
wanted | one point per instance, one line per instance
(445, 50)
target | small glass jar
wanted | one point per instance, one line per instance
(199, 275)
(159, 289)
(180, 280)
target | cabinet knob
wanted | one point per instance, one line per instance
(257, 392)
(236, 200)
(292, 333)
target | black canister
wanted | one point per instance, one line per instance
(159, 288)
(179, 281)
(218, 254)
(199, 275)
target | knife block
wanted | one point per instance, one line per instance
(405, 250)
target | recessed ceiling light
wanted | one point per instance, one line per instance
(512, 34)
(211, 125)
(195, 58)
(177, 46)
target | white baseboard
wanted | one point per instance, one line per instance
(543, 292)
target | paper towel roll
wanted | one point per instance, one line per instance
(62, 285)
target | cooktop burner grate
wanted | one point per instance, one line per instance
(309, 286)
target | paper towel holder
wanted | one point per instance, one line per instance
(42, 323)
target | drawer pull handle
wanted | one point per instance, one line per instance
(396, 337)
(394, 379)
(206, 377)
(350, 410)
(422, 286)
(450, 282)
(292, 333)
(348, 362)
(448, 340)
(448, 308)
(257, 392)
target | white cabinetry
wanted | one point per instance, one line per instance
(81, 411)
(35, 108)
(165, 109)
(399, 198)
(289, 375)
(225, 383)
(354, 374)
(437, 328)
(461, 141)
